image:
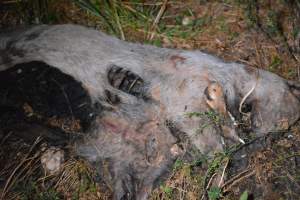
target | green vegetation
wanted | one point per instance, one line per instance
(244, 196)
(214, 193)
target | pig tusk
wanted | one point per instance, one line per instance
(242, 141)
(235, 124)
(248, 94)
(232, 119)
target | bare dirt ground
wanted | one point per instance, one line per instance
(260, 33)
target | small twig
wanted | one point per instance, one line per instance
(292, 179)
(8, 182)
(145, 3)
(135, 11)
(208, 185)
(132, 84)
(159, 15)
(117, 18)
(237, 178)
(223, 173)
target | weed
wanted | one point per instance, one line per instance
(118, 16)
(167, 191)
(156, 42)
(233, 35)
(251, 12)
(276, 62)
(214, 193)
(272, 25)
(244, 196)
(222, 25)
(210, 118)
(37, 12)
(104, 9)
(31, 190)
(211, 115)
(178, 165)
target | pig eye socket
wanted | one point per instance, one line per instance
(246, 108)
(207, 95)
(125, 81)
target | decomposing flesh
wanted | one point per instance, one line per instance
(131, 91)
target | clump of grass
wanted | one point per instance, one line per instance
(25, 179)
(76, 176)
(272, 23)
(31, 190)
(36, 12)
(214, 193)
(118, 15)
(184, 183)
(275, 64)
(152, 20)
(211, 115)
(193, 179)
(18, 171)
(210, 118)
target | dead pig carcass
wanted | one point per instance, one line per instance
(135, 89)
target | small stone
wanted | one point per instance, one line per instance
(186, 21)
(52, 160)
(175, 150)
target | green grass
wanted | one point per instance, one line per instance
(118, 17)
(214, 193)
(36, 12)
(275, 64)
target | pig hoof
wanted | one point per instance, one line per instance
(125, 81)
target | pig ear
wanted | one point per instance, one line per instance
(214, 97)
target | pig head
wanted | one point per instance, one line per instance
(141, 88)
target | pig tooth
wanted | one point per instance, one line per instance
(232, 119)
(241, 140)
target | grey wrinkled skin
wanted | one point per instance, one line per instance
(133, 135)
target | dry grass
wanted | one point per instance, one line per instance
(24, 177)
